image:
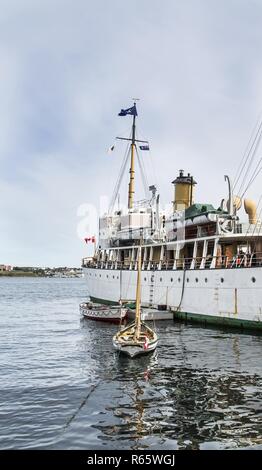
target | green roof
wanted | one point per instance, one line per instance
(200, 209)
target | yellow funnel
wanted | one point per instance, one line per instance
(184, 191)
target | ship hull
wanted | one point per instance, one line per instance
(231, 297)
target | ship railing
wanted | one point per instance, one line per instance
(241, 260)
(87, 262)
(247, 229)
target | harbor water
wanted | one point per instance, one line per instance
(63, 387)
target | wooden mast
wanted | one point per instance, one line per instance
(138, 296)
(131, 187)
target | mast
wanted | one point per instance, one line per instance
(138, 296)
(133, 140)
(131, 186)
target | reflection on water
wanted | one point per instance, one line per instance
(63, 386)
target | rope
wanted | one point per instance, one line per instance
(182, 292)
(253, 177)
(119, 179)
(143, 175)
(251, 155)
(245, 156)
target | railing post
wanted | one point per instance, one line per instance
(204, 254)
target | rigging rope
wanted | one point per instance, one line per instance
(253, 177)
(246, 155)
(251, 158)
(119, 179)
(143, 175)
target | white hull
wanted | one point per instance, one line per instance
(233, 295)
(134, 351)
(110, 314)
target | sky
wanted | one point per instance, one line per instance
(67, 67)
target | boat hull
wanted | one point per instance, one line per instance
(230, 297)
(134, 351)
(104, 314)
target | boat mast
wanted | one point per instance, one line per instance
(131, 186)
(133, 140)
(138, 296)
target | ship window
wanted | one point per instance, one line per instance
(179, 279)
(205, 279)
(144, 278)
(171, 280)
(196, 279)
(222, 279)
(113, 277)
(187, 280)
(253, 279)
(160, 279)
(107, 275)
(99, 275)
(117, 277)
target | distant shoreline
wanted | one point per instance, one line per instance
(32, 274)
(20, 274)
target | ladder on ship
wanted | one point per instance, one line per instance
(151, 290)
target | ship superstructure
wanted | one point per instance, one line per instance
(200, 262)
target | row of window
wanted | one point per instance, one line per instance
(253, 279)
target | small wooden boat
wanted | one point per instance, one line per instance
(137, 338)
(127, 341)
(100, 312)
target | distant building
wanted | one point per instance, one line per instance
(6, 267)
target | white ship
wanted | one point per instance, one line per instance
(201, 263)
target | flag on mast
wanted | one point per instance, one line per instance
(90, 239)
(144, 147)
(131, 111)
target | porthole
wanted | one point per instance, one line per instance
(196, 279)
(253, 279)
(171, 280)
(107, 276)
(117, 277)
(222, 279)
(113, 277)
(187, 279)
(99, 275)
(160, 279)
(205, 279)
(145, 279)
(179, 279)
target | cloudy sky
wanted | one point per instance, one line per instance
(67, 67)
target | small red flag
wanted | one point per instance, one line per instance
(90, 239)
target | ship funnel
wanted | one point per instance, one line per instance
(184, 191)
(251, 210)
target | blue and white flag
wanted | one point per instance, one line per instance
(131, 111)
(144, 147)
